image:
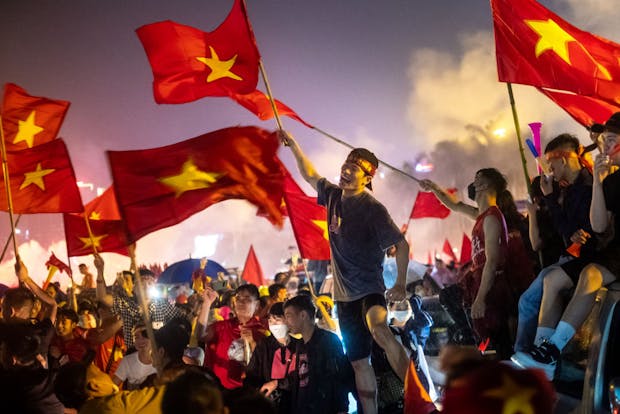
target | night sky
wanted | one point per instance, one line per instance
(396, 76)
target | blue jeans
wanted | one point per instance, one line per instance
(529, 308)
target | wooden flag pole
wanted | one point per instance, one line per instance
(8, 240)
(270, 95)
(519, 139)
(7, 185)
(90, 233)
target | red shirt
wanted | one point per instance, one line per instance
(225, 352)
(478, 255)
(76, 347)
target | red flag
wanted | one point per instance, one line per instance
(30, 120)
(159, 187)
(107, 236)
(56, 262)
(309, 222)
(103, 207)
(258, 103)
(447, 249)
(416, 399)
(42, 181)
(583, 109)
(428, 205)
(465, 250)
(189, 64)
(536, 47)
(252, 272)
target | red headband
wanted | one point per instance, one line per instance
(365, 165)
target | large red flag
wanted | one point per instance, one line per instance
(30, 120)
(42, 180)
(584, 109)
(252, 272)
(258, 103)
(108, 231)
(309, 222)
(189, 64)
(465, 250)
(416, 399)
(447, 249)
(428, 205)
(536, 47)
(159, 187)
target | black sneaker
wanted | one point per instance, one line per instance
(546, 353)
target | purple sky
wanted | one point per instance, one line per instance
(349, 67)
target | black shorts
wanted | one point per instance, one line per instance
(352, 320)
(609, 258)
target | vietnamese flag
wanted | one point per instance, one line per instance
(536, 47)
(309, 223)
(447, 249)
(108, 231)
(59, 264)
(583, 109)
(107, 236)
(252, 272)
(258, 103)
(416, 399)
(465, 250)
(426, 204)
(189, 64)
(30, 120)
(159, 187)
(42, 181)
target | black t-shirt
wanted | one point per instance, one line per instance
(360, 230)
(611, 189)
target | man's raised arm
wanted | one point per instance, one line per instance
(303, 163)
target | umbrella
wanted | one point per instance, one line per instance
(181, 272)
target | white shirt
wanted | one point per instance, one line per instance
(134, 371)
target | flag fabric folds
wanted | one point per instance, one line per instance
(308, 220)
(160, 187)
(189, 64)
(42, 181)
(465, 250)
(416, 399)
(108, 231)
(447, 249)
(28, 120)
(583, 109)
(428, 205)
(258, 103)
(536, 47)
(252, 272)
(59, 264)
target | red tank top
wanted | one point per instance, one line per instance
(478, 255)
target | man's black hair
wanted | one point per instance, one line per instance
(302, 303)
(562, 141)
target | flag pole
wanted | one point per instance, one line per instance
(7, 185)
(391, 167)
(8, 240)
(515, 118)
(90, 233)
(270, 95)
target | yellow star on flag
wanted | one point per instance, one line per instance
(516, 398)
(27, 130)
(552, 37)
(219, 68)
(36, 177)
(190, 178)
(95, 216)
(322, 224)
(95, 241)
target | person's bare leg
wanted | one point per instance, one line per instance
(366, 385)
(376, 318)
(551, 306)
(591, 279)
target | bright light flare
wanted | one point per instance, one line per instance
(424, 167)
(205, 246)
(500, 132)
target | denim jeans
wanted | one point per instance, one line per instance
(529, 308)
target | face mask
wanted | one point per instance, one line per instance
(279, 331)
(401, 316)
(471, 192)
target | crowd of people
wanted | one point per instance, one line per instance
(235, 347)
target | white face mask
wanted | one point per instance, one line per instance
(401, 315)
(279, 331)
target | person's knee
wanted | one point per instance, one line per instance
(590, 280)
(382, 335)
